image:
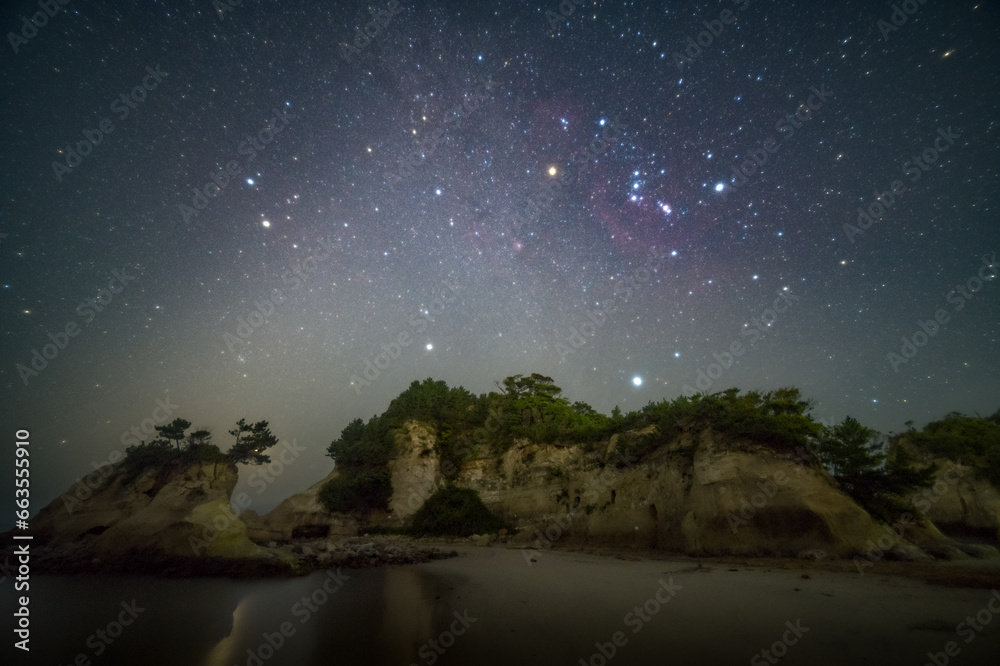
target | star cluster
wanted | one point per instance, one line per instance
(312, 220)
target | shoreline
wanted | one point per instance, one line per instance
(303, 557)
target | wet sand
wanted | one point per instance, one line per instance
(724, 612)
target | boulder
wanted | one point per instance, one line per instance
(176, 514)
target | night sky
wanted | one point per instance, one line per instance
(459, 191)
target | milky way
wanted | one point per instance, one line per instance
(262, 211)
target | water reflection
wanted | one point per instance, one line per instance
(380, 616)
(408, 617)
(224, 653)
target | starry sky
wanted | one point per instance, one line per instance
(256, 210)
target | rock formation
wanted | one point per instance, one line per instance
(300, 516)
(179, 513)
(698, 494)
(960, 502)
(694, 496)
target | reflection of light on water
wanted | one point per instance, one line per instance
(224, 651)
(408, 617)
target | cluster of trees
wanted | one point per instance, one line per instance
(453, 511)
(175, 445)
(533, 407)
(780, 419)
(363, 450)
(857, 458)
(970, 440)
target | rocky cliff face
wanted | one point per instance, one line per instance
(696, 495)
(300, 516)
(415, 474)
(179, 512)
(693, 496)
(699, 494)
(960, 502)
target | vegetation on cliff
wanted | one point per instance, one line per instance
(363, 450)
(779, 419)
(969, 440)
(466, 426)
(533, 408)
(252, 440)
(854, 455)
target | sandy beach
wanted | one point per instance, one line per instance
(571, 606)
(488, 606)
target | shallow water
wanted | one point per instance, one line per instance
(372, 618)
(562, 609)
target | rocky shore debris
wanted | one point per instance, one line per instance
(361, 552)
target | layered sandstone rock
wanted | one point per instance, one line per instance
(181, 511)
(960, 502)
